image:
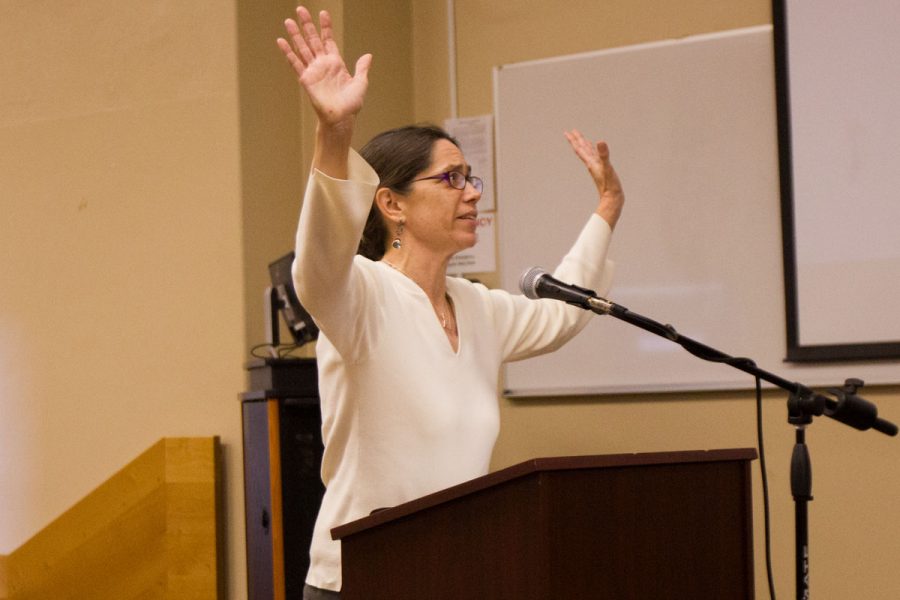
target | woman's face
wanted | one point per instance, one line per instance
(438, 216)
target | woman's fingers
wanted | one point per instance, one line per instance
(291, 56)
(306, 43)
(362, 67)
(596, 158)
(298, 44)
(587, 152)
(313, 41)
(326, 33)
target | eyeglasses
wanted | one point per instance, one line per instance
(457, 180)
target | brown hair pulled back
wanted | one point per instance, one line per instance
(398, 156)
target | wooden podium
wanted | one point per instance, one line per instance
(631, 526)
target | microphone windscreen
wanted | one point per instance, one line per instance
(528, 282)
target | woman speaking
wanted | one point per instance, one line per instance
(409, 358)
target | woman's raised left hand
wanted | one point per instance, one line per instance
(596, 158)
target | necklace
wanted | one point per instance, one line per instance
(446, 324)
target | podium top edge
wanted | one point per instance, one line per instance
(558, 463)
(538, 465)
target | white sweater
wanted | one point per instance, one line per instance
(403, 415)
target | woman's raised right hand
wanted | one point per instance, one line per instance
(336, 95)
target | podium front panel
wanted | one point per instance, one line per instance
(678, 529)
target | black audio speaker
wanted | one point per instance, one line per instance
(282, 485)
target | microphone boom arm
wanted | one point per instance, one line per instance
(804, 403)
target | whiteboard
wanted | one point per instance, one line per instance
(692, 129)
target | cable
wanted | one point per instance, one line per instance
(279, 351)
(287, 350)
(765, 486)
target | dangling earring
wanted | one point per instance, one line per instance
(397, 244)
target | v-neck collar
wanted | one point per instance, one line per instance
(411, 287)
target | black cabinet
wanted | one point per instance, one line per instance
(282, 485)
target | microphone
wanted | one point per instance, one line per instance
(537, 283)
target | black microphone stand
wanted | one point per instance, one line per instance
(803, 405)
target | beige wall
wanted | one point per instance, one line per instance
(271, 144)
(121, 310)
(153, 161)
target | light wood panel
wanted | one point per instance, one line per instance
(150, 531)
(4, 594)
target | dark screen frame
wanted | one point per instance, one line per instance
(796, 352)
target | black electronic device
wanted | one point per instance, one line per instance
(282, 298)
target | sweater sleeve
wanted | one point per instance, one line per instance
(531, 327)
(328, 282)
